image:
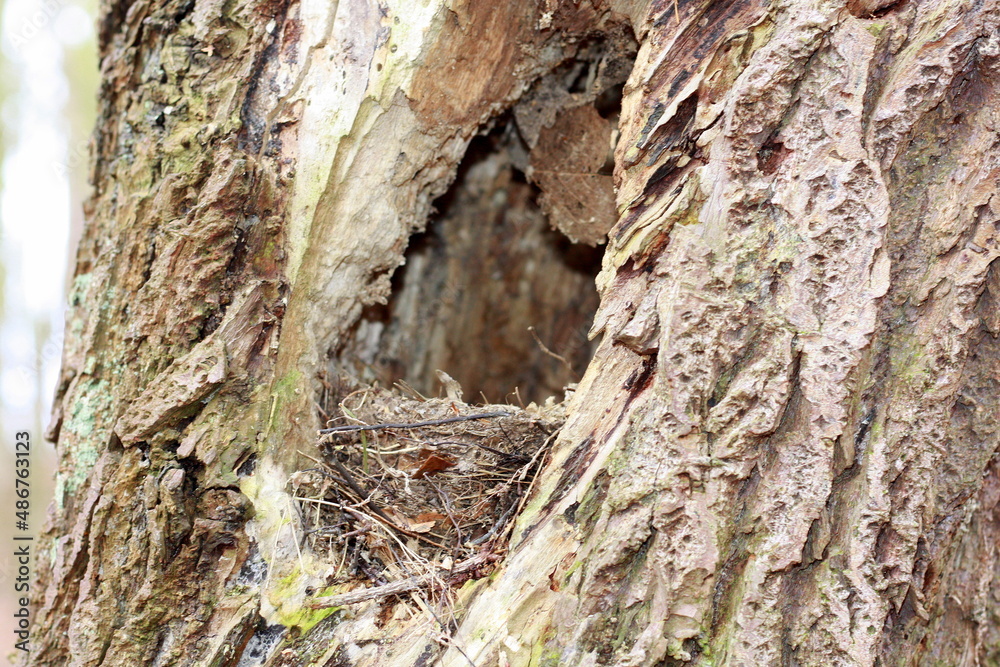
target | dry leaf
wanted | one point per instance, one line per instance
(432, 463)
(422, 527)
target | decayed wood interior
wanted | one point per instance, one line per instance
(496, 291)
(484, 272)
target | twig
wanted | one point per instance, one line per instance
(328, 475)
(492, 450)
(501, 522)
(298, 550)
(354, 486)
(343, 559)
(407, 585)
(311, 458)
(447, 508)
(552, 354)
(402, 384)
(382, 516)
(274, 547)
(432, 422)
(364, 439)
(325, 531)
(521, 474)
(445, 637)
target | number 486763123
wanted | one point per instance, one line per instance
(22, 470)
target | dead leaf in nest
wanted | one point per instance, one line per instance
(421, 524)
(432, 462)
(485, 451)
(396, 517)
(422, 527)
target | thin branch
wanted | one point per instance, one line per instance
(499, 523)
(407, 585)
(382, 516)
(447, 508)
(552, 354)
(499, 452)
(433, 422)
(446, 637)
(354, 486)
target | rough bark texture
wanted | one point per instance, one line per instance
(783, 450)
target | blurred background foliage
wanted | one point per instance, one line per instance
(48, 83)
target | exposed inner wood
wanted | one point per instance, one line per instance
(484, 288)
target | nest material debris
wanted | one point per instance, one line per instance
(416, 492)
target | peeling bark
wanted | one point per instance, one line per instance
(783, 450)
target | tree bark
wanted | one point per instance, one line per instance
(783, 447)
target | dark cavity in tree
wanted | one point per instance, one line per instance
(489, 293)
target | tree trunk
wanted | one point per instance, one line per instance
(783, 449)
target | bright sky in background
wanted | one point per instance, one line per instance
(35, 201)
(39, 197)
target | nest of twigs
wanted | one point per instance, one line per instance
(414, 491)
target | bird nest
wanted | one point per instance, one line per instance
(414, 492)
